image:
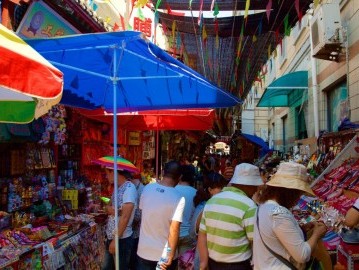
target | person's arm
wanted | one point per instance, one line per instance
(198, 221)
(291, 237)
(172, 242)
(174, 232)
(319, 231)
(352, 216)
(126, 212)
(203, 250)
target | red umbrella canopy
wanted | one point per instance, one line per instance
(186, 119)
(122, 163)
(29, 84)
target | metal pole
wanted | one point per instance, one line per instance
(115, 176)
(157, 150)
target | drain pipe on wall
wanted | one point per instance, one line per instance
(314, 87)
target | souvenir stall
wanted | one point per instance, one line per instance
(35, 223)
(329, 146)
(337, 188)
(44, 222)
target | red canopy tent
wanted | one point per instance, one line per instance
(179, 119)
(186, 119)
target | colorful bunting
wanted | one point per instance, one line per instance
(286, 26)
(179, 40)
(299, 12)
(248, 2)
(175, 13)
(173, 32)
(216, 9)
(157, 5)
(239, 49)
(269, 8)
(123, 22)
(212, 4)
(140, 3)
(140, 14)
(116, 27)
(204, 34)
(200, 14)
(260, 28)
(269, 50)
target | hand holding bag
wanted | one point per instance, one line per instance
(186, 259)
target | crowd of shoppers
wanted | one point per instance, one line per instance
(236, 222)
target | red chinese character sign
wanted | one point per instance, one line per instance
(142, 19)
(143, 25)
(41, 21)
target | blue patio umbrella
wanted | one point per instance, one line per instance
(123, 72)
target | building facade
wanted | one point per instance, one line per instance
(300, 96)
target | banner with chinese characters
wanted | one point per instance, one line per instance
(142, 19)
(40, 21)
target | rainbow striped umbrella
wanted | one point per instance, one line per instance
(122, 163)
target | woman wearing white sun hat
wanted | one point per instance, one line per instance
(279, 242)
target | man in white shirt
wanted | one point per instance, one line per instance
(127, 203)
(162, 210)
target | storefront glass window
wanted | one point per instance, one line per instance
(337, 106)
(300, 127)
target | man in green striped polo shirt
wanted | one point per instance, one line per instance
(226, 229)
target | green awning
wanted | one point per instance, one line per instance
(286, 90)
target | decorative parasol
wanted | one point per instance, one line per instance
(29, 84)
(122, 163)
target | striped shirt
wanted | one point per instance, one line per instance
(228, 221)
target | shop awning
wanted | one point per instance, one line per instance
(286, 90)
(256, 140)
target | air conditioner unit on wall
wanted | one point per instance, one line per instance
(327, 34)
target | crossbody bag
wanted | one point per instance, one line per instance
(279, 257)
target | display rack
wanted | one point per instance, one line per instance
(349, 151)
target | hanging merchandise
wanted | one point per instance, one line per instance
(55, 126)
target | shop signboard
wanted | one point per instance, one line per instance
(134, 138)
(40, 21)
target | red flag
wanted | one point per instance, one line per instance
(116, 27)
(216, 25)
(175, 13)
(299, 12)
(123, 23)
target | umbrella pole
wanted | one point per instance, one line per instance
(115, 175)
(157, 151)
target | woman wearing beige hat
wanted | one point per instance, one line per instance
(279, 242)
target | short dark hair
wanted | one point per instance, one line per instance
(211, 180)
(286, 197)
(125, 173)
(172, 170)
(187, 173)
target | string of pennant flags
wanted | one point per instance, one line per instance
(211, 54)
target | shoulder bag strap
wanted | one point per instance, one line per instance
(279, 257)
